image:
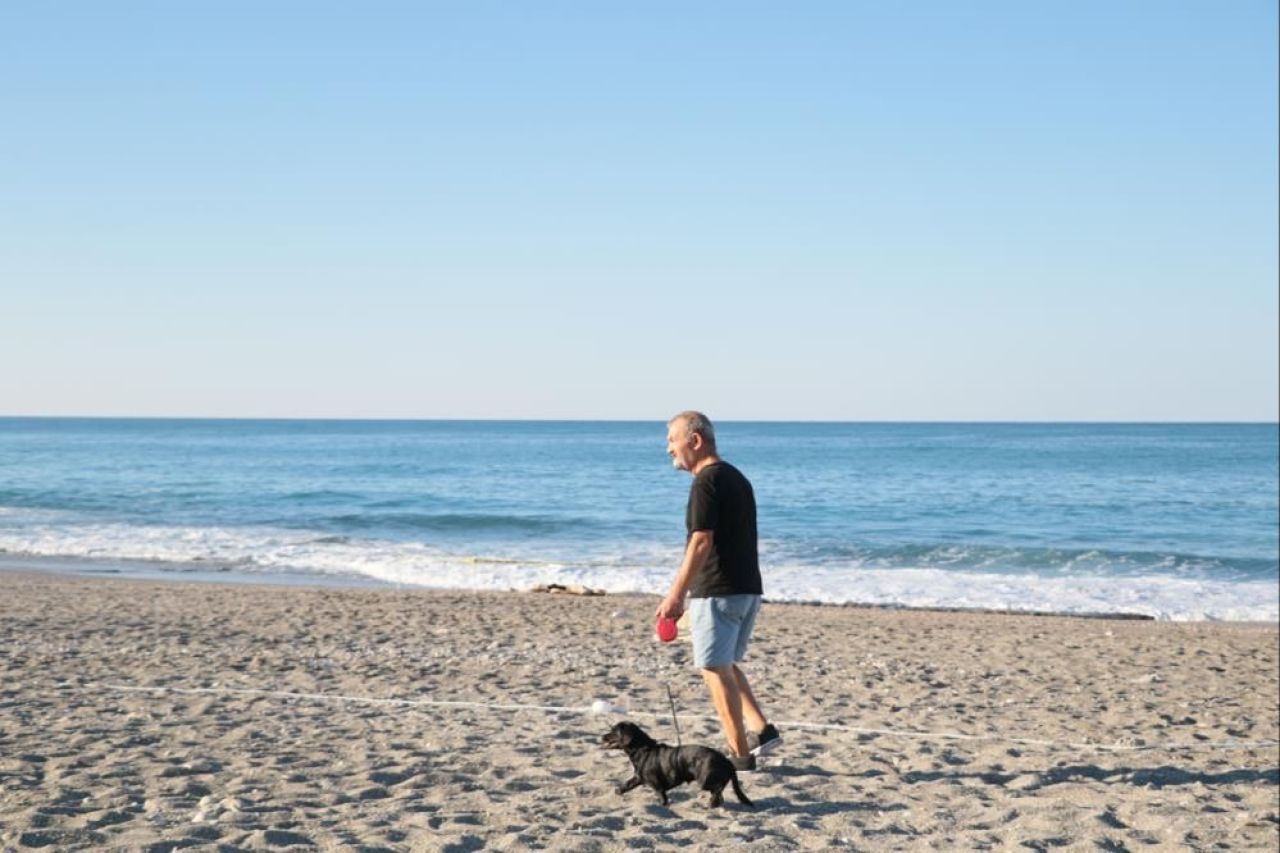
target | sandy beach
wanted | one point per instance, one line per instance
(152, 716)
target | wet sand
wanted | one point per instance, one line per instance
(143, 715)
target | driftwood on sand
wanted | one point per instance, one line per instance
(567, 589)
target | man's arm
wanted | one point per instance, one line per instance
(695, 555)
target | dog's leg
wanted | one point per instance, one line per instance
(633, 782)
(717, 800)
(737, 790)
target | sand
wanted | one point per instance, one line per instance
(251, 745)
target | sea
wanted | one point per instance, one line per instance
(1170, 521)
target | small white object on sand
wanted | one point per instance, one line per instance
(603, 706)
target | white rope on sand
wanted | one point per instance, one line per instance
(592, 710)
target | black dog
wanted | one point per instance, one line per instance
(663, 767)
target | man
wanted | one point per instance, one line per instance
(721, 575)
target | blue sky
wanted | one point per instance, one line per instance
(884, 211)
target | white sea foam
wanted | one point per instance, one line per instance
(265, 550)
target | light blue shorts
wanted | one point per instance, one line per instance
(722, 628)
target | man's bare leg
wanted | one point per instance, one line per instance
(722, 681)
(751, 713)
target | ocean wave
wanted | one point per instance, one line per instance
(322, 496)
(646, 567)
(1048, 561)
(446, 522)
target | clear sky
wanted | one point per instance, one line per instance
(845, 210)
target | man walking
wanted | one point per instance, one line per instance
(721, 575)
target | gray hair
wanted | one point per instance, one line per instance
(696, 423)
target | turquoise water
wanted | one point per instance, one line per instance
(1178, 521)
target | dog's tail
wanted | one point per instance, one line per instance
(737, 791)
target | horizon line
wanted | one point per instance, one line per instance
(360, 419)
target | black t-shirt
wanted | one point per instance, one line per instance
(721, 500)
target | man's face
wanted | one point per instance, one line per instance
(682, 446)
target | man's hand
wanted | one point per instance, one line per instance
(672, 607)
(695, 554)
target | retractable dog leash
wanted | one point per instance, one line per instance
(675, 722)
(667, 630)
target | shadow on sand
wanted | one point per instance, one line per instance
(1154, 777)
(795, 770)
(818, 808)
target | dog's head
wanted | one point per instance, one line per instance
(626, 736)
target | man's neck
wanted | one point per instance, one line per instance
(703, 463)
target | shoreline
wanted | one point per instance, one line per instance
(163, 571)
(140, 713)
(160, 571)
